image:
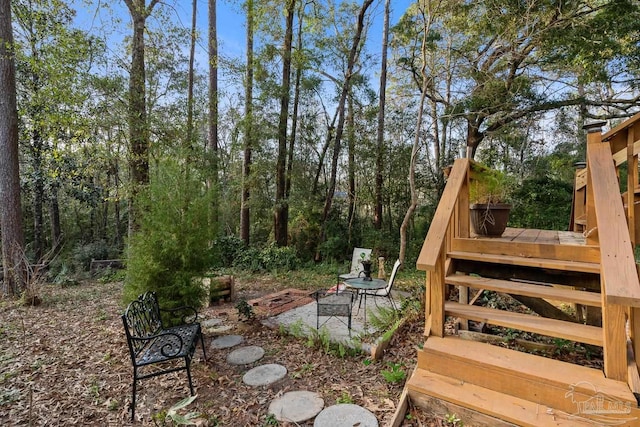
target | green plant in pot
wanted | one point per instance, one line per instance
(489, 201)
(366, 266)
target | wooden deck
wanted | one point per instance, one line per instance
(592, 268)
(547, 237)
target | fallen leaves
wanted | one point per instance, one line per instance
(66, 362)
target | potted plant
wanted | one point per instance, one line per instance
(489, 192)
(366, 265)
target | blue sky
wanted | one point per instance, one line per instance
(231, 22)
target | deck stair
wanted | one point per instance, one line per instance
(515, 388)
(592, 267)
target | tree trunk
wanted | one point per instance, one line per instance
(213, 111)
(294, 114)
(281, 211)
(192, 54)
(38, 194)
(416, 144)
(474, 136)
(323, 154)
(346, 87)
(248, 137)
(377, 214)
(351, 167)
(54, 219)
(138, 126)
(14, 268)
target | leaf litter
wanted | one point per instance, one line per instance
(66, 362)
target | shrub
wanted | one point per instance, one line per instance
(84, 253)
(226, 249)
(543, 203)
(271, 258)
(171, 248)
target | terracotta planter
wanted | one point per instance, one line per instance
(489, 219)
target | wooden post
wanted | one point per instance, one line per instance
(615, 341)
(634, 325)
(632, 183)
(594, 136)
(437, 295)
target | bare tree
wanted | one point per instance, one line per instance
(10, 214)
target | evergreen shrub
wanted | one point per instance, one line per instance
(170, 252)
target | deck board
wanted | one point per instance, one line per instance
(550, 237)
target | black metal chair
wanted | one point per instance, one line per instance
(151, 343)
(334, 304)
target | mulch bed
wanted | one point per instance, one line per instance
(65, 362)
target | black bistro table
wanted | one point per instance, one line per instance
(365, 285)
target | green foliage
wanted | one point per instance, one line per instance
(489, 186)
(245, 311)
(452, 420)
(345, 397)
(395, 374)
(270, 420)
(384, 318)
(63, 276)
(171, 248)
(542, 203)
(84, 253)
(226, 249)
(272, 258)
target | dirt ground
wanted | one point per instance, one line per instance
(65, 363)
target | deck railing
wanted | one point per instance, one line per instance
(612, 227)
(618, 276)
(450, 220)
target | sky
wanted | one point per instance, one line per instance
(230, 20)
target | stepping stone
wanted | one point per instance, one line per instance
(210, 323)
(219, 330)
(296, 406)
(226, 341)
(245, 355)
(264, 375)
(345, 415)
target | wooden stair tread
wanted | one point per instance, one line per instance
(509, 408)
(555, 328)
(579, 266)
(550, 372)
(518, 288)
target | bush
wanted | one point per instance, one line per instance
(543, 203)
(276, 258)
(171, 249)
(83, 254)
(271, 258)
(226, 249)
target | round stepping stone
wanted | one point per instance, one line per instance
(245, 355)
(345, 415)
(296, 406)
(226, 341)
(264, 374)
